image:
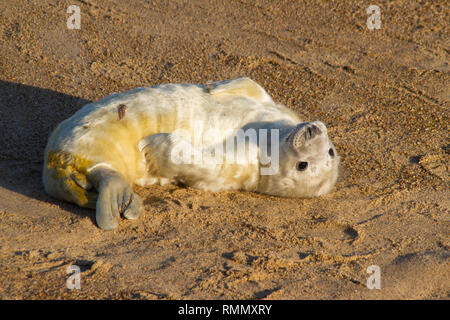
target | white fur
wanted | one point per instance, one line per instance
(96, 135)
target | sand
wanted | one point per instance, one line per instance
(384, 95)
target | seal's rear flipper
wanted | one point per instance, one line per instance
(115, 196)
(239, 87)
(81, 180)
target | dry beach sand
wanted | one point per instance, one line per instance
(384, 94)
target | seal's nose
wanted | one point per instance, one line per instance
(312, 131)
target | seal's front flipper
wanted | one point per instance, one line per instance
(172, 157)
(115, 197)
(165, 153)
(156, 145)
(239, 87)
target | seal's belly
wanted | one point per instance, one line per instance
(107, 132)
(114, 141)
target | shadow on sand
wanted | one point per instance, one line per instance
(27, 117)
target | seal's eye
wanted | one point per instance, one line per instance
(302, 165)
(331, 152)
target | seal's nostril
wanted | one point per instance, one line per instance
(312, 131)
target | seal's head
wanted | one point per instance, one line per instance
(308, 163)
